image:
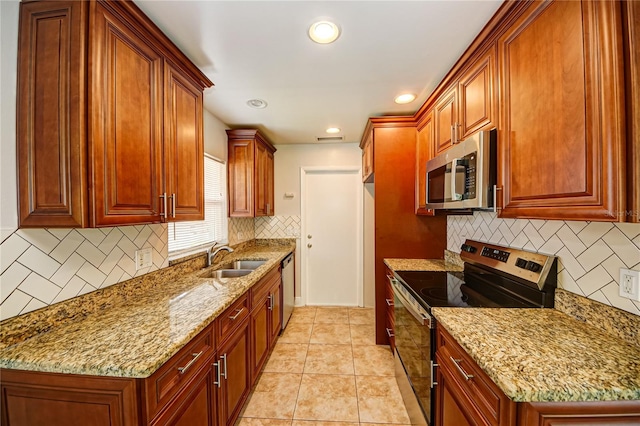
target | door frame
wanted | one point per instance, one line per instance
(304, 171)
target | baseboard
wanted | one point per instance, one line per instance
(298, 301)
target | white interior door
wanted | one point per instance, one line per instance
(332, 236)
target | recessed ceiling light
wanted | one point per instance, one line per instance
(257, 103)
(333, 130)
(324, 32)
(405, 98)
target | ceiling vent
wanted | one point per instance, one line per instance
(330, 138)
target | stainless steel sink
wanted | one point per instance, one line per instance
(226, 273)
(243, 264)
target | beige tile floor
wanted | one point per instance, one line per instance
(326, 370)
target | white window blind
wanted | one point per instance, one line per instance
(184, 236)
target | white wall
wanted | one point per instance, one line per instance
(288, 160)
(9, 11)
(215, 137)
(369, 252)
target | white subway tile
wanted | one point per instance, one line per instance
(94, 236)
(114, 277)
(40, 238)
(130, 232)
(571, 240)
(576, 226)
(631, 230)
(550, 228)
(67, 246)
(571, 265)
(537, 223)
(127, 247)
(91, 253)
(566, 282)
(11, 249)
(86, 289)
(593, 232)
(32, 306)
(110, 241)
(128, 265)
(68, 269)
(11, 279)
(40, 288)
(622, 246)
(70, 290)
(91, 275)
(39, 262)
(534, 236)
(594, 255)
(59, 233)
(142, 237)
(552, 245)
(111, 260)
(612, 265)
(594, 280)
(14, 304)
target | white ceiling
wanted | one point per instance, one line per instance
(260, 49)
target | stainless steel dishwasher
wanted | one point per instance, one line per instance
(288, 288)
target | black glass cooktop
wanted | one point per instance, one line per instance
(472, 288)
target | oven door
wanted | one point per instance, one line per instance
(414, 353)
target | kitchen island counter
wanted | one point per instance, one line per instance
(544, 355)
(142, 327)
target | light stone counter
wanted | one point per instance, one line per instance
(451, 263)
(144, 325)
(545, 355)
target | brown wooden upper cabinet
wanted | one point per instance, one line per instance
(111, 137)
(562, 134)
(467, 106)
(250, 174)
(367, 159)
(424, 148)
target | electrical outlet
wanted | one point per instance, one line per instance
(629, 286)
(144, 258)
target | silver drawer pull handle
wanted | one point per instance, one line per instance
(389, 302)
(184, 369)
(390, 333)
(216, 365)
(238, 312)
(457, 364)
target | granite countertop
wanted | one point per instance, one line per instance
(545, 355)
(136, 336)
(451, 263)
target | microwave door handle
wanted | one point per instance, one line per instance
(454, 172)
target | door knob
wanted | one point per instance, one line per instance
(309, 236)
(309, 245)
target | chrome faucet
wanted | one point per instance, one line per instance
(211, 253)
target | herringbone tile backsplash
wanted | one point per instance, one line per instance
(40, 267)
(277, 227)
(590, 253)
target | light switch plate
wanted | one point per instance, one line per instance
(144, 258)
(630, 284)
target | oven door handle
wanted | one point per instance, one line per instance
(422, 318)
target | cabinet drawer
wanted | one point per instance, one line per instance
(262, 287)
(232, 317)
(480, 391)
(176, 373)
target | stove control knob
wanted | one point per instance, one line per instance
(468, 248)
(521, 263)
(533, 266)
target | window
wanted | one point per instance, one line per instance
(188, 237)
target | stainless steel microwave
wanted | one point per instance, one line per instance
(464, 177)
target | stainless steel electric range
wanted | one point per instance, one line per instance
(493, 276)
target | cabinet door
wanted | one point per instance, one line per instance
(475, 89)
(367, 160)
(449, 409)
(260, 185)
(184, 147)
(445, 117)
(126, 124)
(259, 335)
(269, 182)
(51, 102)
(194, 406)
(236, 383)
(424, 145)
(240, 178)
(275, 308)
(561, 141)
(36, 398)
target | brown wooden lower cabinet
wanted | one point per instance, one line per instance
(35, 398)
(465, 395)
(234, 359)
